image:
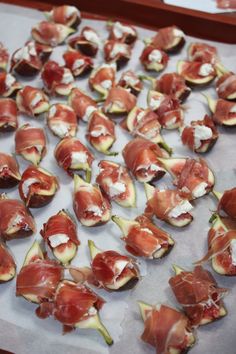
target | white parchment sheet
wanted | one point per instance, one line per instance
(20, 330)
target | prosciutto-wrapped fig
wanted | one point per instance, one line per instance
(73, 157)
(78, 63)
(75, 306)
(171, 206)
(226, 4)
(102, 79)
(122, 32)
(144, 239)
(37, 187)
(101, 132)
(119, 100)
(199, 295)
(32, 101)
(116, 182)
(82, 104)
(221, 245)
(117, 52)
(50, 33)
(224, 112)
(62, 120)
(200, 135)
(61, 236)
(7, 264)
(15, 220)
(226, 86)
(30, 143)
(153, 58)
(66, 15)
(8, 115)
(170, 39)
(202, 52)
(112, 270)
(141, 158)
(196, 73)
(8, 84)
(129, 80)
(191, 176)
(4, 57)
(168, 109)
(88, 42)
(57, 79)
(39, 277)
(9, 171)
(166, 329)
(227, 205)
(91, 206)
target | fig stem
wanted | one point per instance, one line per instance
(166, 147)
(213, 218)
(218, 195)
(88, 175)
(147, 41)
(177, 269)
(147, 78)
(144, 307)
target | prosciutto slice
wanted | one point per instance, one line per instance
(9, 171)
(8, 115)
(7, 264)
(227, 203)
(78, 63)
(117, 52)
(122, 32)
(172, 84)
(196, 72)
(87, 42)
(119, 100)
(202, 52)
(129, 80)
(66, 15)
(141, 157)
(25, 61)
(102, 79)
(15, 220)
(169, 39)
(50, 33)
(226, 86)
(153, 58)
(32, 101)
(225, 112)
(199, 295)
(82, 104)
(4, 57)
(8, 84)
(62, 120)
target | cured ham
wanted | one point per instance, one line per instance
(141, 158)
(30, 143)
(8, 84)
(122, 32)
(32, 101)
(8, 115)
(39, 277)
(91, 206)
(73, 156)
(7, 264)
(78, 63)
(61, 236)
(9, 171)
(168, 109)
(15, 220)
(199, 295)
(116, 182)
(224, 112)
(196, 73)
(144, 239)
(227, 203)
(166, 329)
(88, 42)
(226, 86)
(37, 187)
(50, 33)
(202, 52)
(200, 135)
(119, 100)
(170, 39)
(102, 79)
(57, 79)
(153, 58)
(62, 120)
(4, 57)
(129, 80)
(226, 4)
(171, 206)
(82, 104)
(101, 132)
(112, 270)
(117, 52)
(66, 15)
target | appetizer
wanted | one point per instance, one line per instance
(50, 33)
(32, 101)
(119, 101)
(102, 79)
(122, 32)
(202, 52)
(82, 104)
(170, 39)
(9, 171)
(226, 203)
(62, 121)
(26, 61)
(153, 58)
(116, 52)
(4, 57)
(7, 264)
(8, 115)
(66, 15)
(129, 80)
(78, 63)
(8, 84)
(196, 73)
(88, 42)
(226, 86)
(224, 112)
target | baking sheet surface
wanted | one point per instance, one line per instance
(20, 330)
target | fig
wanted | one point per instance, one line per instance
(153, 58)
(224, 112)
(129, 80)
(170, 39)
(78, 63)
(62, 121)
(88, 42)
(9, 171)
(8, 115)
(32, 101)
(119, 100)
(117, 52)
(66, 15)
(226, 86)
(196, 73)
(50, 33)
(122, 32)
(7, 264)
(102, 79)
(8, 84)
(25, 61)
(82, 104)
(226, 202)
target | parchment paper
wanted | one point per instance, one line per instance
(20, 330)
(209, 6)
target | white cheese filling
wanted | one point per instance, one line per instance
(171, 122)
(233, 251)
(78, 63)
(22, 54)
(106, 84)
(71, 10)
(26, 184)
(92, 311)
(98, 131)
(201, 132)
(120, 29)
(37, 98)
(205, 69)
(116, 189)
(88, 112)
(91, 37)
(120, 266)
(155, 102)
(58, 239)
(95, 210)
(130, 80)
(118, 48)
(9, 81)
(60, 129)
(182, 208)
(67, 77)
(140, 116)
(177, 32)
(78, 158)
(147, 230)
(200, 190)
(32, 49)
(155, 56)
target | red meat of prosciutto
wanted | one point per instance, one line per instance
(129, 80)
(169, 39)
(227, 203)
(82, 104)
(153, 58)
(168, 330)
(87, 42)
(32, 101)
(102, 79)
(119, 100)
(8, 115)
(4, 57)
(199, 295)
(226, 4)
(122, 32)
(25, 61)
(62, 120)
(195, 71)
(203, 53)
(225, 112)
(115, 51)
(226, 86)
(50, 33)
(174, 85)
(7, 264)
(15, 220)
(78, 63)
(9, 171)
(66, 15)
(141, 157)
(8, 84)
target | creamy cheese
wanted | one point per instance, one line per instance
(88, 112)
(200, 190)
(177, 32)
(233, 109)
(10, 80)
(205, 69)
(120, 266)
(120, 29)
(78, 63)
(106, 84)
(58, 239)
(116, 189)
(71, 10)
(32, 49)
(154, 167)
(98, 131)
(26, 184)
(233, 251)
(171, 122)
(130, 80)
(60, 129)
(155, 102)
(147, 230)
(118, 48)
(95, 210)
(52, 111)
(67, 77)
(92, 311)
(37, 98)
(182, 208)
(77, 158)
(22, 54)
(201, 132)
(155, 56)
(140, 116)
(91, 37)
